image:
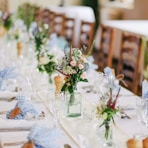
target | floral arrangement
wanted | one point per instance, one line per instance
(73, 66)
(108, 108)
(17, 31)
(46, 60)
(47, 63)
(26, 12)
(108, 111)
(5, 20)
(41, 36)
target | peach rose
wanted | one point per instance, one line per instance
(81, 66)
(73, 63)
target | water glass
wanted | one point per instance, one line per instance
(139, 114)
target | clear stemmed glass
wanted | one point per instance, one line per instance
(97, 81)
(56, 105)
(24, 86)
(139, 114)
(145, 112)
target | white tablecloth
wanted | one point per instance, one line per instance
(80, 131)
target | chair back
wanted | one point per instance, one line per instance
(130, 60)
(58, 24)
(86, 34)
(106, 47)
(38, 15)
(45, 16)
(69, 27)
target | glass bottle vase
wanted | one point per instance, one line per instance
(73, 104)
(108, 135)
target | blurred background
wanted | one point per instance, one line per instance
(108, 9)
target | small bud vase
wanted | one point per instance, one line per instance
(19, 48)
(108, 136)
(73, 104)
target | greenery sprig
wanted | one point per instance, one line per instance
(72, 66)
(41, 35)
(26, 12)
(6, 20)
(108, 111)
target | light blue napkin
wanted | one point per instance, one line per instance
(44, 137)
(92, 66)
(33, 27)
(59, 42)
(26, 107)
(5, 74)
(145, 89)
(112, 81)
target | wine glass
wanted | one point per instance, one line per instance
(139, 114)
(56, 105)
(99, 78)
(145, 112)
(24, 86)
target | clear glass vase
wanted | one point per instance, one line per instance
(108, 135)
(73, 104)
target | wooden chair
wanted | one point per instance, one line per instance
(38, 15)
(69, 27)
(58, 24)
(105, 54)
(45, 16)
(86, 34)
(130, 61)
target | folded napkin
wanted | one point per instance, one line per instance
(60, 42)
(92, 66)
(23, 109)
(5, 74)
(42, 137)
(145, 89)
(113, 82)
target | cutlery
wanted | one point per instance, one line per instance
(67, 146)
(124, 115)
(3, 112)
(11, 99)
(15, 129)
(2, 145)
(8, 99)
(14, 143)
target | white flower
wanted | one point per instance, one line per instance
(76, 54)
(40, 29)
(43, 60)
(68, 70)
(46, 26)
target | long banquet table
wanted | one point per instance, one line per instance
(75, 129)
(138, 27)
(134, 26)
(80, 132)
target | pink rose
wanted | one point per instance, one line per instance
(81, 66)
(83, 76)
(73, 63)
